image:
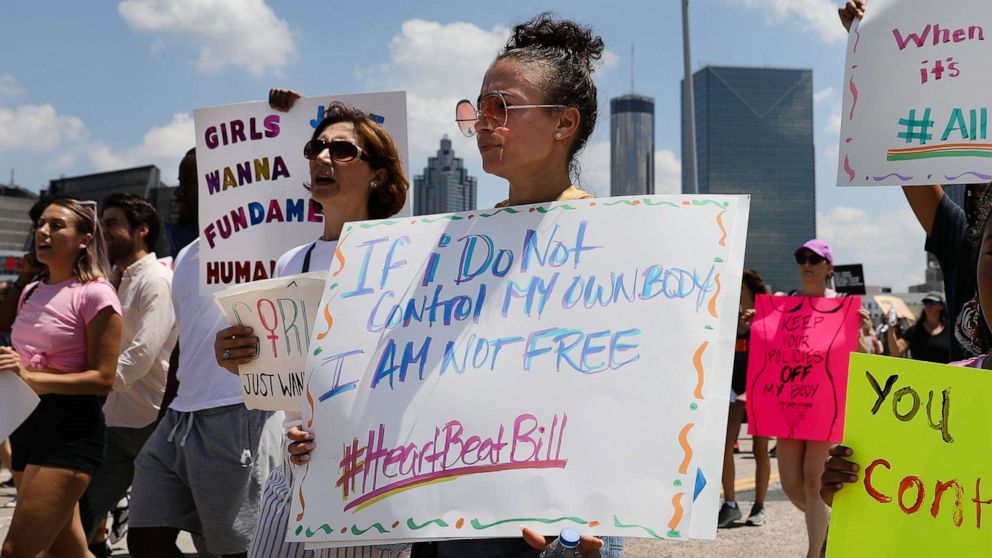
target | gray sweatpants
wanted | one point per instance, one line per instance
(203, 472)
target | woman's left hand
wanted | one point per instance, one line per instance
(588, 545)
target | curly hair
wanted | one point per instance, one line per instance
(564, 52)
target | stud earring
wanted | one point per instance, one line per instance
(373, 184)
(557, 135)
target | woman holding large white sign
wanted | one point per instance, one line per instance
(536, 109)
(355, 175)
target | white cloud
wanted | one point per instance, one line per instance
(823, 95)
(818, 16)
(163, 146)
(240, 33)
(65, 145)
(594, 163)
(422, 64)
(37, 128)
(888, 244)
(667, 172)
(9, 87)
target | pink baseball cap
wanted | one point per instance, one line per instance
(818, 247)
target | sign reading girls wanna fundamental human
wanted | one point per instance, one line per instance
(253, 204)
(797, 365)
(282, 312)
(921, 436)
(556, 365)
(916, 104)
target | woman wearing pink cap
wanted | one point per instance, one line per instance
(800, 462)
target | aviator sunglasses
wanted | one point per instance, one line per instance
(813, 259)
(491, 106)
(340, 150)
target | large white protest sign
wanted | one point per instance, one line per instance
(554, 365)
(282, 313)
(17, 401)
(253, 205)
(916, 102)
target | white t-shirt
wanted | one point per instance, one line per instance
(202, 383)
(291, 263)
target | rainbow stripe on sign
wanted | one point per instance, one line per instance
(945, 150)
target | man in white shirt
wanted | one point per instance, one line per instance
(130, 226)
(203, 469)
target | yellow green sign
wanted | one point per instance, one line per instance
(922, 435)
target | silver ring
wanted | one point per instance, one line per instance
(226, 355)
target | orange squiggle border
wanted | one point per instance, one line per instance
(684, 442)
(712, 305)
(677, 506)
(697, 361)
(340, 255)
(719, 221)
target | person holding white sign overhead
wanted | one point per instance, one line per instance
(355, 175)
(66, 340)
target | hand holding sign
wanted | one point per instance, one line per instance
(920, 437)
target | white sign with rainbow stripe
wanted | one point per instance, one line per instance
(916, 103)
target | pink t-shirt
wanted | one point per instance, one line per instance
(50, 329)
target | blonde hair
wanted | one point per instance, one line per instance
(91, 262)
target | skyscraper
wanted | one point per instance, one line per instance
(445, 186)
(631, 145)
(754, 135)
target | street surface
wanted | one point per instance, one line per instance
(783, 535)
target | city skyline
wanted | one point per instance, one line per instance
(72, 106)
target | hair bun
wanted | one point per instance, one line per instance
(545, 32)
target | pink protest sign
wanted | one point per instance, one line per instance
(797, 366)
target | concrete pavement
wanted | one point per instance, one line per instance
(784, 534)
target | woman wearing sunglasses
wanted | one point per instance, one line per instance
(536, 109)
(800, 462)
(355, 175)
(66, 342)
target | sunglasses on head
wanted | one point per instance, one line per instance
(340, 151)
(813, 259)
(493, 107)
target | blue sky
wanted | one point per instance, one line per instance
(94, 86)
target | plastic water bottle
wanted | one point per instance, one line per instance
(565, 546)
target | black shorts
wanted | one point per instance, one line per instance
(64, 432)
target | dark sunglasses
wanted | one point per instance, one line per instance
(813, 259)
(340, 150)
(931, 302)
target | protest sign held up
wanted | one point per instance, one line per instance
(921, 436)
(282, 311)
(251, 181)
(915, 104)
(574, 346)
(849, 279)
(797, 365)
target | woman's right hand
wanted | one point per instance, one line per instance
(301, 446)
(239, 345)
(851, 10)
(837, 472)
(283, 99)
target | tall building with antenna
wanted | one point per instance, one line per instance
(631, 142)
